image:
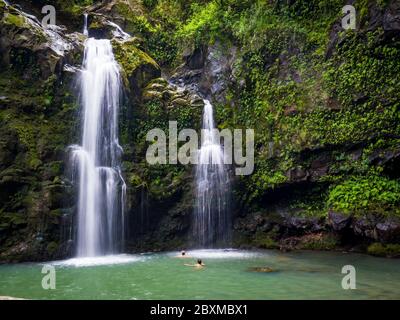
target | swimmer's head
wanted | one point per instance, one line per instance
(183, 252)
(199, 261)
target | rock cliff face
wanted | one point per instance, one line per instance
(323, 102)
(38, 117)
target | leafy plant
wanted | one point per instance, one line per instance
(361, 194)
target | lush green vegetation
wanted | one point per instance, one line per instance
(302, 91)
(302, 87)
(365, 194)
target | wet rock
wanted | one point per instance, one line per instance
(338, 221)
(387, 17)
(320, 166)
(120, 12)
(365, 227)
(170, 95)
(391, 17)
(389, 231)
(382, 157)
(46, 49)
(297, 174)
(195, 59)
(295, 224)
(208, 70)
(186, 77)
(218, 71)
(378, 228)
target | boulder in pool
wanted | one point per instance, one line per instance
(262, 269)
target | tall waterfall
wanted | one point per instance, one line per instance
(96, 161)
(212, 216)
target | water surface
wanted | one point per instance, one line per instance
(228, 275)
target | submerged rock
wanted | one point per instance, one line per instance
(262, 269)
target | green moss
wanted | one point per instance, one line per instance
(26, 132)
(265, 241)
(324, 242)
(95, 25)
(52, 248)
(135, 180)
(130, 57)
(384, 250)
(363, 69)
(16, 20)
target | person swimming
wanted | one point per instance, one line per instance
(199, 264)
(183, 255)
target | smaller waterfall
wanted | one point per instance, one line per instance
(85, 25)
(212, 217)
(118, 32)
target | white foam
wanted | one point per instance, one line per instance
(98, 261)
(222, 254)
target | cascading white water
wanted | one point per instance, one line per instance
(85, 25)
(212, 217)
(53, 34)
(97, 160)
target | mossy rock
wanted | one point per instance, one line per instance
(384, 250)
(180, 102)
(52, 248)
(154, 89)
(138, 67)
(149, 95)
(156, 86)
(319, 242)
(159, 81)
(15, 20)
(265, 241)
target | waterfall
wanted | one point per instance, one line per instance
(96, 161)
(85, 25)
(212, 217)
